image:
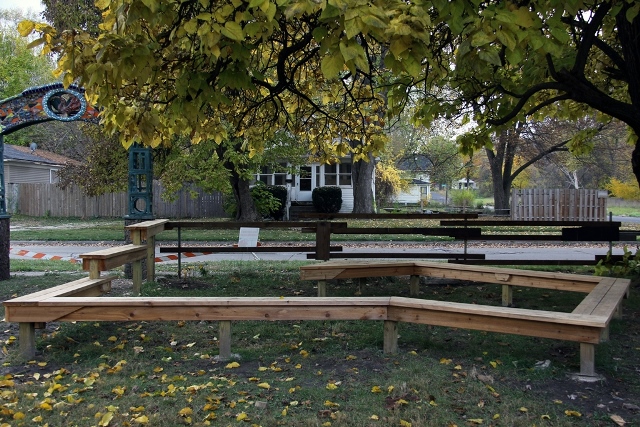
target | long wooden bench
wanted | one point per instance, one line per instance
(602, 303)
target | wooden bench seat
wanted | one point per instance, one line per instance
(106, 259)
(84, 287)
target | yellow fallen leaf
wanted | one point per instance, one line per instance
(284, 412)
(496, 416)
(143, 419)
(331, 386)
(106, 419)
(493, 364)
(523, 409)
(18, 416)
(232, 365)
(242, 416)
(390, 389)
(545, 417)
(569, 413)
(376, 389)
(262, 368)
(476, 420)
(404, 423)
(413, 353)
(445, 361)
(374, 417)
(557, 402)
(112, 339)
(185, 412)
(330, 403)
(264, 385)
(304, 353)
(37, 419)
(457, 367)
(351, 357)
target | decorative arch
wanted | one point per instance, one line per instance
(43, 104)
(55, 102)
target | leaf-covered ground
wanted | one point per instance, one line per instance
(313, 373)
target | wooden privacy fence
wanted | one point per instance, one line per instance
(41, 199)
(543, 204)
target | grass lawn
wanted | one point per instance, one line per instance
(312, 373)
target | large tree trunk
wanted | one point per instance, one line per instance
(362, 180)
(501, 165)
(5, 241)
(245, 207)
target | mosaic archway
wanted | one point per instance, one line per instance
(37, 105)
(55, 102)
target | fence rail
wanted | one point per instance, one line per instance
(558, 205)
(43, 199)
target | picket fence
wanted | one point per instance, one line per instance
(50, 200)
(541, 204)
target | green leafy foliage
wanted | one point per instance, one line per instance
(628, 266)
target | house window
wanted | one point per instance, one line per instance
(338, 174)
(271, 176)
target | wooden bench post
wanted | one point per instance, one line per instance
(224, 340)
(414, 285)
(136, 266)
(322, 288)
(27, 339)
(587, 360)
(390, 345)
(507, 295)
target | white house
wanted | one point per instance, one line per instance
(461, 184)
(302, 183)
(419, 190)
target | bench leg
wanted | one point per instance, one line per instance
(151, 259)
(507, 295)
(322, 288)
(390, 345)
(414, 285)
(587, 359)
(137, 277)
(27, 340)
(224, 340)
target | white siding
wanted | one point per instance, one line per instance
(16, 173)
(412, 195)
(347, 200)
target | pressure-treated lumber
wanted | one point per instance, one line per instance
(106, 259)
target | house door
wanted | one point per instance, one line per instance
(304, 183)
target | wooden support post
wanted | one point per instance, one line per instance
(507, 295)
(323, 240)
(322, 288)
(414, 285)
(151, 259)
(27, 340)
(390, 345)
(224, 340)
(136, 267)
(361, 282)
(617, 314)
(94, 269)
(587, 359)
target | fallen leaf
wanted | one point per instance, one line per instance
(264, 385)
(331, 386)
(618, 420)
(572, 413)
(376, 389)
(404, 423)
(106, 419)
(232, 365)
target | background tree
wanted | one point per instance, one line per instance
(535, 58)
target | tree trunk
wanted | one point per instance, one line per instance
(501, 164)
(245, 207)
(362, 180)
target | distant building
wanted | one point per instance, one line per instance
(461, 184)
(32, 165)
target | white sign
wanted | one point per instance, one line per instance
(248, 237)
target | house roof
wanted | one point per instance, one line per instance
(24, 154)
(417, 162)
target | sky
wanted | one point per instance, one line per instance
(24, 5)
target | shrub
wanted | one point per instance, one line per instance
(327, 199)
(280, 193)
(463, 198)
(266, 202)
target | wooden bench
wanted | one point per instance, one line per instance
(604, 300)
(25, 309)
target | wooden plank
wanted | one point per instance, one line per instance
(230, 249)
(106, 259)
(519, 223)
(148, 228)
(591, 301)
(390, 337)
(224, 340)
(232, 225)
(498, 262)
(493, 321)
(77, 287)
(328, 271)
(400, 255)
(27, 339)
(387, 216)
